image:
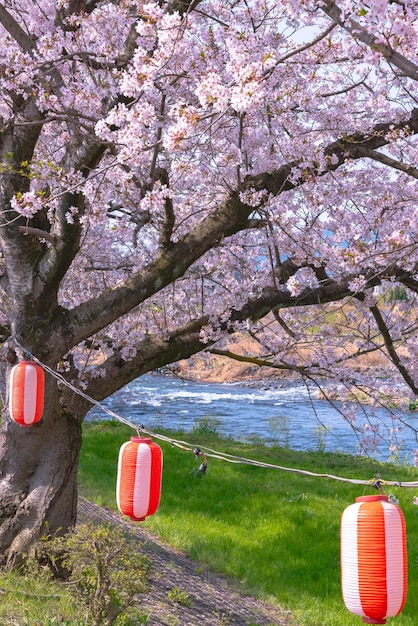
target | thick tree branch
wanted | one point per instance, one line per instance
(65, 233)
(389, 161)
(182, 6)
(17, 145)
(66, 242)
(407, 67)
(327, 291)
(154, 352)
(335, 153)
(36, 232)
(151, 353)
(15, 30)
(223, 222)
(170, 264)
(183, 342)
(409, 282)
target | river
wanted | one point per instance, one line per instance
(275, 413)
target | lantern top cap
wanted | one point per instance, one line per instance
(378, 498)
(27, 362)
(138, 439)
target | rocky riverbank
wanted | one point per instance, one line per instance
(205, 367)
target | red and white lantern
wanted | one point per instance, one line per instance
(138, 487)
(374, 564)
(26, 393)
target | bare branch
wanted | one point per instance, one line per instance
(283, 324)
(391, 349)
(305, 46)
(256, 360)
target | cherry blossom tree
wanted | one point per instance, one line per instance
(172, 173)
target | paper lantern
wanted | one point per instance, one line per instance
(374, 566)
(138, 487)
(26, 393)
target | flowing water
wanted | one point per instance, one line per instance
(276, 413)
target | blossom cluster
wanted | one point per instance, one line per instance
(275, 148)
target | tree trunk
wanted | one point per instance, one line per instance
(38, 477)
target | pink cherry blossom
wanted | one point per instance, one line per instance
(172, 174)
(27, 204)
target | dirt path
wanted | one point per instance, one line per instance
(214, 601)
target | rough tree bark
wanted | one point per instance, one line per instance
(38, 483)
(38, 465)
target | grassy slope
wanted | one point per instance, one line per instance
(276, 532)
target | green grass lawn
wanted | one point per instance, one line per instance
(275, 532)
(30, 600)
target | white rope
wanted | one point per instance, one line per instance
(243, 460)
(209, 452)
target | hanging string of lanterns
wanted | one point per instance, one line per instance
(374, 564)
(209, 452)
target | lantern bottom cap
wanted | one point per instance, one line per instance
(370, 620)
(137, 519)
